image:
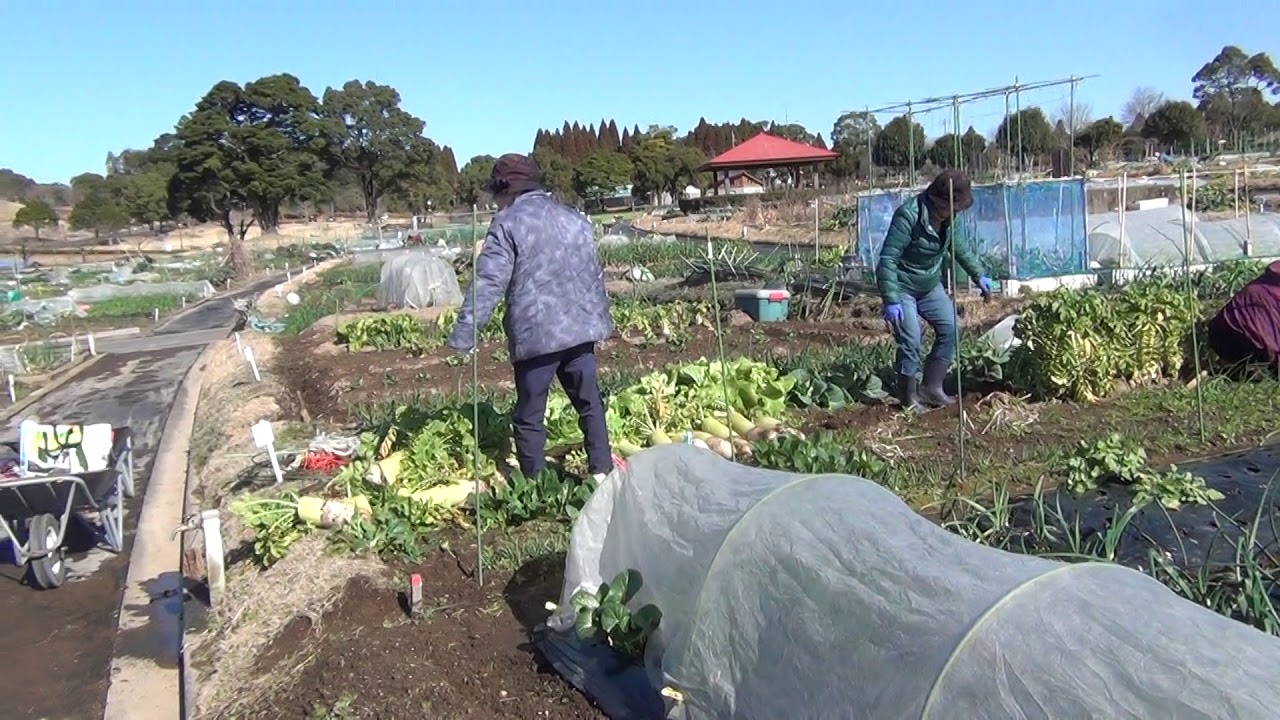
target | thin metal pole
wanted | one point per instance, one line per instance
(817, 213)
(724, 370)
(1008, 134)
(1010, 265)
(1123, 200)
(871, 163)
(1017, 101)
(1071, 119)
(955, 122)
(1235, 197)
(934, 103)
(1004, 184)
(1248, 215)
(1187, 232)
(1022, 165)
(955, 318)
(475, 402)
(911, 147)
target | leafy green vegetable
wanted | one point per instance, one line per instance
(839, 387)
(820, 454)
(603, 615)
(549, 494)
(384, 332)
(274, 522)
(678, 399)
(1116, 459)
(1077, 343)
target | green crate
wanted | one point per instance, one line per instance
(763, 305)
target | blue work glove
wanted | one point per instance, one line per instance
(985, 284)
(893, 313)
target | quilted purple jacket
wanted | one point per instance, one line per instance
(540, 256)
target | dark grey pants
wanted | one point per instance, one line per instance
(575, 368)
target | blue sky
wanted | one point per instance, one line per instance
(84, 77)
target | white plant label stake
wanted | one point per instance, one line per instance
(239, 347)
(155, 314)
(263, 437)
(93, 347)
(73, 348)
(211, 526)
(253, 363)
(13, 395)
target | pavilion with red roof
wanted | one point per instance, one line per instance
(767, 151)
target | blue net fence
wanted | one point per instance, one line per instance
(1021, 231)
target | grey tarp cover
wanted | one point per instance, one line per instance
(825, 596)
(418, 279)
(99, 293)
(1158, 238)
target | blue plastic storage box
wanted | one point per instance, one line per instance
(763, 305)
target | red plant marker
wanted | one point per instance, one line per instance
(415, 594)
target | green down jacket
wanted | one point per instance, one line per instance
(912, 254)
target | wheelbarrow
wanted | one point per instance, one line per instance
(37, 506)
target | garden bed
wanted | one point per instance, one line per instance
(339, 642)
(467, 655)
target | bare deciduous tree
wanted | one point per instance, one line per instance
(1074, 116)
(1143, 101)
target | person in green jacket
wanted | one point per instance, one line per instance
(909, 276)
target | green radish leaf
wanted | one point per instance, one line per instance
(584, 600)
(624, 587)
(585, 625)
(647, 618)
(612, 617)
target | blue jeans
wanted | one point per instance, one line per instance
(937, 310)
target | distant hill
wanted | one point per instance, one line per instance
(16, 187)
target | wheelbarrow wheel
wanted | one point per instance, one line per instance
(44, 538)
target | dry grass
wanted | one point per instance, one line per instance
(1002, 412)
(758, 222)
(7, 210)
(257, 604)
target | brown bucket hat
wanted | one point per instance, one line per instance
(947, 185)
(514, 172)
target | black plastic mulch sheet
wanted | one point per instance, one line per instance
(621, 690)
(1192, 537)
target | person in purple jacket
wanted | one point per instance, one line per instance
(1246, 331)
(540, 256)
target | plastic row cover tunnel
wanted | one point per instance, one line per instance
(793, 596)
(418, 279)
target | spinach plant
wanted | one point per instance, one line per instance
(603, 615)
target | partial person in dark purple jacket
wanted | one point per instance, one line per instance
(540, 256)
(1247, 329)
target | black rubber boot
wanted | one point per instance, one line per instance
(931, 392)
(907, 394)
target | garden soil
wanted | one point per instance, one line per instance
(331, 380)
(467, 656)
